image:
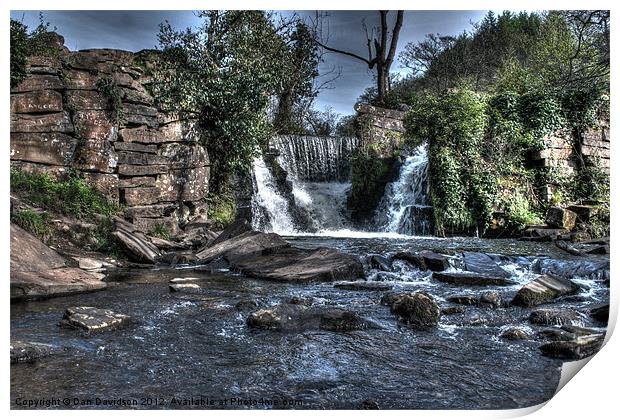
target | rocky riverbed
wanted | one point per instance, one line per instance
(384, 322)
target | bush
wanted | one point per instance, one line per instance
(519, 213)
(221, 209)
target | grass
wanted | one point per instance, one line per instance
(221, 209)
(161, 231)
(72, 196)
(37, 223)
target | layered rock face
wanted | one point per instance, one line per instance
(91, 111)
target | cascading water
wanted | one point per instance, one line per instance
(318, 169)
(269, 208)
(405, 206)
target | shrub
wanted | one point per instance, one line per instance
(221, 209)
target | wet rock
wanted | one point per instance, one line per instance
(599, 250)
(300, 300)
(26, 285)
(573, 350)
(478, 262)
(435, 261)
(363, 285)
(600, 313)
(236, 228)
(246, 305)
(555, 317)
(244, 246)
(135, 242)
(565, 246)
(566, 333)
(463, 300)
(289, 264)
(491, 298)
(27, 352)
(543, 289)
(543, 233)
(451, 310)
(92, 319)
(411, 258)
(470, 279)
(593, 269)
(184, 288)
(290, 317)
(515, 334)
(418, 309)
(561, 218)
(379, 262)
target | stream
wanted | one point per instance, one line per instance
(197, 347)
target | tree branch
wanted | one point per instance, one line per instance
(369, 62)
(395, 33)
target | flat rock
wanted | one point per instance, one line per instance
(478, 262)
(62, 281)
(470, 279)
(290, 264)
(544, 289)
(452, 310)
(463, 300)
(363, 285)
(573, 350)
(244, 246)
(297, 317)
(236, 228)
(88, 263)
(28, 352)
(184, 288)
(556, 317)
(92, 319)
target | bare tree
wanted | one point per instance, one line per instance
(383, 56)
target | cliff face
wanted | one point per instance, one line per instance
(90, 111)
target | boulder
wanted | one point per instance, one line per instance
(462, 278)
(434, 261)
(413, 259)
(92, 319)
(298, 317)
(416, 309)
(543, 233)
(246, 305)
(573, 350)
(478, 262)
(236, 228)
(600, 313)
(584, 212)
(27, 352)
(544, 289)
(379, 262)
(491, 298)
(451, 310)
(363, 285)
(513, 333)
(28, 253)
(135, 242)
(288, 264)
(556, 317)
(566, 333)
(558, 217)
(27, 285)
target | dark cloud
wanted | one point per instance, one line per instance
(136, 30)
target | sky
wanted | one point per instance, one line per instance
(137, 30)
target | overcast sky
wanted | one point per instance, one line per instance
(137, 30)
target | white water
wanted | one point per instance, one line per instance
(269, 208)
(404, 207)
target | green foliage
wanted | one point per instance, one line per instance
(369, 174)
(589, 183)
(37, 223)
(24, 44)
(519, 212)
(221, 209)
(108, 87)
(224, 73)
(72, 196)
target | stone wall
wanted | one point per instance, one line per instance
(565, 154)
(148, 161)
(380, 128)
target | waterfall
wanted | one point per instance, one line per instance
(269, 208)
(319, 172)
(405, 206)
